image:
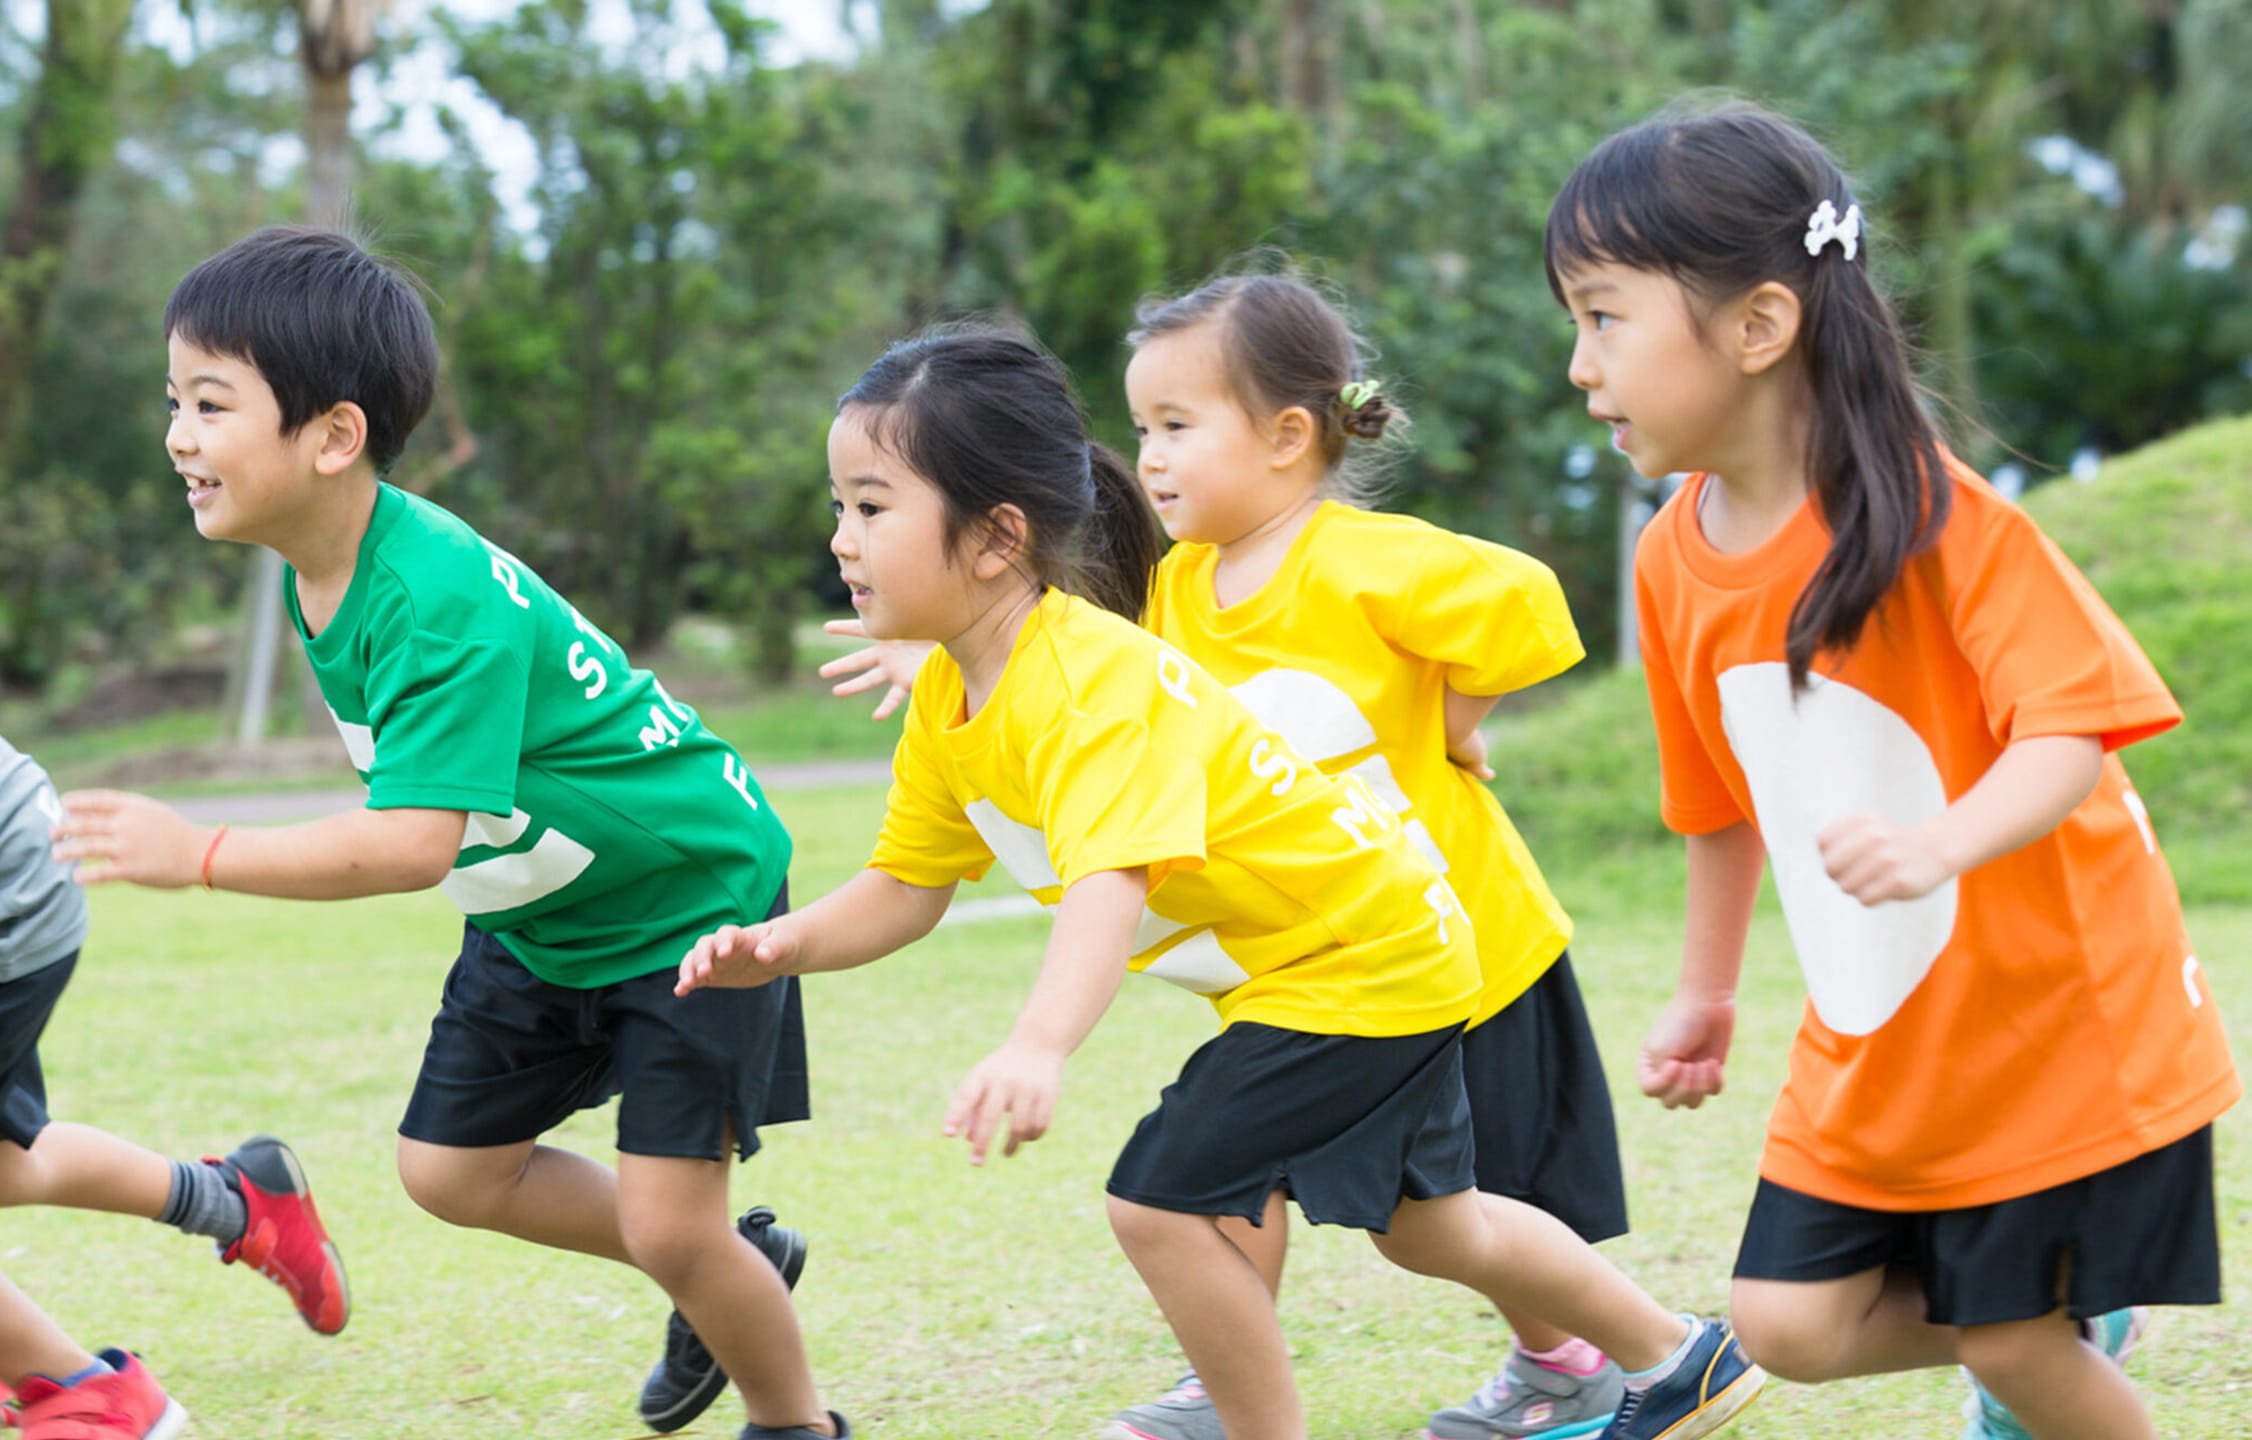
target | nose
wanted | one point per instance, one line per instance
(1146, 459)
(841, 545)
(1583, 371)
(177, 438)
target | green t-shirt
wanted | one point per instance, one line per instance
(608, 829)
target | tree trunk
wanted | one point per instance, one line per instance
(65, 139)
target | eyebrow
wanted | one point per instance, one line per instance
(202, 380)
(1592, 287)
(866, 480)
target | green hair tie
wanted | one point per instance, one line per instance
(1358, 394)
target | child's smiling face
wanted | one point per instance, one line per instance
(247, 480)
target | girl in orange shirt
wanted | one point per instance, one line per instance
(1870, 670)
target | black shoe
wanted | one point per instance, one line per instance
(688, 1379)
(798, 1432)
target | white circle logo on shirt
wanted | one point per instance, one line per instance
(1837, 752)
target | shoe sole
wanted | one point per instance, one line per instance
(698, 1400)
(169, 1424)
(1574, 1431)
(1720, 1409)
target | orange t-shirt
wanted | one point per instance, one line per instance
(2037, 1019)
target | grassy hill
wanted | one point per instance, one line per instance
(2165, 534)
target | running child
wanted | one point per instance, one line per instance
(1870, 669)
(1177, 835)
(1375, 644)
(585, 822)
(254, 1204)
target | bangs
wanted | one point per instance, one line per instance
(1612, 209)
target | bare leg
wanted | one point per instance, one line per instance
(1528, 1260)
(674, 1216)
(1265, 1244)
(1222, 1313)
(30, 1343)
(78, 1167)
(534, 1192)
(1867, 1324)
(2059, 1386)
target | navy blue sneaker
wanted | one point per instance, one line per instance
(1714, 1381)
(688, 1379)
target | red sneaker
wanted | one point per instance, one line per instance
(125, 1405)
(283, 1238)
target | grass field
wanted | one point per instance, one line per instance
(940, 1301)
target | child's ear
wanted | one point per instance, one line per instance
(1293, 432)
(343, 434)
(1003, 543)
(1766, 326)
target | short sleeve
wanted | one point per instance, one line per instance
(927, 838)
(1494, 617)
(2050, 656)
(1113, 796)
(1693, 798)
(448, 716)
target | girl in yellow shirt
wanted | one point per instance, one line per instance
(1173, 833)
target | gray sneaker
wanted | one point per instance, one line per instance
(1528, 1398)
(1182, 1413)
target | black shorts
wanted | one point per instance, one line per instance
(1350, 1126)
(511, 1057)
(1541, 1108)
(25, 1004)
(2141, 1233)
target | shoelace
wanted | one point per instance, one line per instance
(1492, 1393)
(1628, 1404)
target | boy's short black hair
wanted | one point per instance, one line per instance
(323, 321)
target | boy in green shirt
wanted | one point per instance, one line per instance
(586, 823)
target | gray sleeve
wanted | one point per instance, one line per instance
(42, 910)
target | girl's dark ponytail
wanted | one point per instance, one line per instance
(1880, 477)
(1724, 200)
(1122, 545)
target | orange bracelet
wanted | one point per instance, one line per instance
(210, 853)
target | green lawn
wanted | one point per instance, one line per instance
(940, 1301)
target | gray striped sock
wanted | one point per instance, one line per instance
(203, 1203)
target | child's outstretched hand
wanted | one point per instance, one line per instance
(1682, 1056)
(1874, 859)
(116, 835)
(885, 662)
(1017, 1084)
(738, 957)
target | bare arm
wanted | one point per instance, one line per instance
(116, 835)
(2028, 790)
(1465, 745)
(1088, 948)
(1682, 1058)
(864, 919)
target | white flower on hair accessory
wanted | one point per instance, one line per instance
(1825, 226)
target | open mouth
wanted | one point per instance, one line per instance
(200, 490)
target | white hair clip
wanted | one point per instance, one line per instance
(1825, 226)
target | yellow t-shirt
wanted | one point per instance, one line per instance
(1286, 896)
(1348, 652)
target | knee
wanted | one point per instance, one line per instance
(668, 1249)
(1786, 1342)
(444, 1187)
